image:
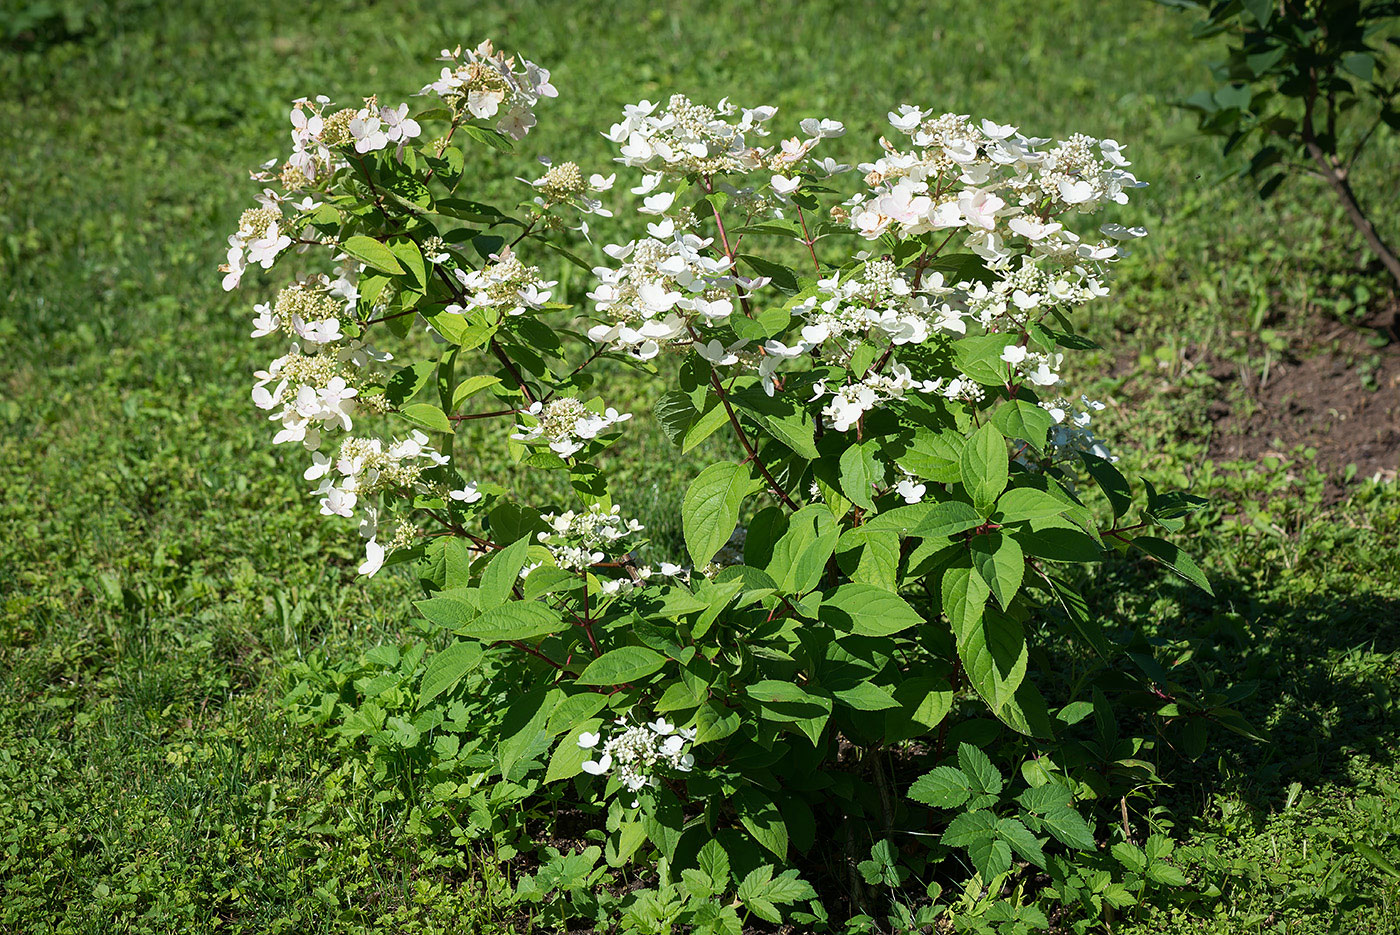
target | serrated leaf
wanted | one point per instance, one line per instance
(994, 656)
(713, 861)
(1017, 418)
(372, 253)
(622, 665)
(1069, 827)
(710, 510)
(518, 620)
(502, 573)
(943, 787)
(1020, 504)
(984, 467)
(866, 696)
(1019, 837)
(1111, 482)
(983, 777)
(944, 520)
(1000, 562)
(427, 416)
(1175, 559)
(446, 668)
(761, 818)
(676, 414)
(860, 471)
(866, 610)
(964, 598)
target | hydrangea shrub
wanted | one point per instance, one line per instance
(917, 483)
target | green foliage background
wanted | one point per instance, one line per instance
(160, 565)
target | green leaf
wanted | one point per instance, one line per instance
(446, 668)
(1360, 64)
(621, 665)
(980, 357)
(761, 818)
(502, 573)
(947, 519)
(1111, 482)
(411, 258)
(1026, 503)
(490, 137)
(1175, 559)
(969, 828)
(427, 416)
(713, 721)
(1373, 856)
(866, 696)
(470, 387)
(800, 555)
(1000, 562)
(408, 382)
(518, 620)
(710, 510)
(676, 414)
(568, 758)
(449, 612)
(984, 467)
(1021, 840)
(796, 430)
(1069, 827)
(1017, 418)
(784, 279)
(944, 787)
(964, 597)
(983, 778)
(860, 471)
(994, 656)
(373, 253)
(866, 610)
(1164, 873)
(713, 861)
(705, 425)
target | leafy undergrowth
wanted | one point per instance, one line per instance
(160, 570)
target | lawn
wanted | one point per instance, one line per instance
(164, 576)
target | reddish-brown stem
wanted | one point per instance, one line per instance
(536, 653)
(588, 620)
(743, 436)
(807, 239)
(506, 362)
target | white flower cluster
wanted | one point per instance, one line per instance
(505, 284)
(879, 297)
(850, 402)
(686, 138)
(1071, 435)
(564, 184)
(665, 285)
(1024, 292)
(565, 424)
(374, 127)
(992, 181)
(485, 83)
(311, 310)
(367, 467)
(634, 755)
(577, 540)
(260, 238)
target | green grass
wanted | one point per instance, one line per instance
(161, 566)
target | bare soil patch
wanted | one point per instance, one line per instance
(1331, 389)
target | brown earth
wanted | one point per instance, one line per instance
(1331, 389)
